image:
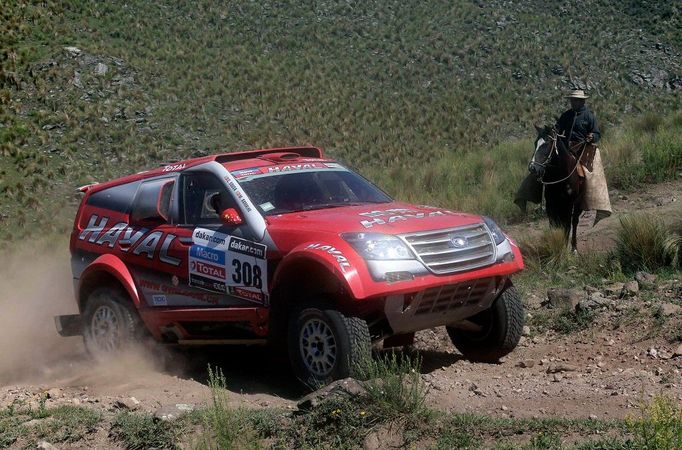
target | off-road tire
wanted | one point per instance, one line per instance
(502, 326)
(112, 305)
(350, 336)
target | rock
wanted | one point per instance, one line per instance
(73, 51)
(101, 69)
(525, 364)
(561, 367)
(76, 80)
(525, 331)
(504, 408)
(678, 351)
(54, 393)
(44, 445)
(593, 417)
(645, 280)
(615, 289)
(631, 287)
(36, 422)
(670, 309)
(344, 388)
(594, 301)
(564, 298)
(173, 412)
(652, 352)
(127, 403)
(556, 378)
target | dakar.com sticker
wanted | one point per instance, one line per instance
(228, 264)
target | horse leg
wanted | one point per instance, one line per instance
(577, 210)
(559, 217)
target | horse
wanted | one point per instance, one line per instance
(556, 167)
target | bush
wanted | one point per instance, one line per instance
(549, 250)
(644, 243)
(137, 431)
(227, 428)
(569, 321)
(394, 386)
(659, 426)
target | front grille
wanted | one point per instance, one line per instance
(451, 296)
(454, 249)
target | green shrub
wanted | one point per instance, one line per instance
(393, 385)
(225, 427)
(138, 431)
(644, 243)
(569, 321)
(659, 426)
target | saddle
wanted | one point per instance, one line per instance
(584, 152)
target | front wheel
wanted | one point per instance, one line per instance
(109, 325)
(325, 345)
(493, 333)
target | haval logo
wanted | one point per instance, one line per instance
(458, 241)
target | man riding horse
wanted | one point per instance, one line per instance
(566, 170)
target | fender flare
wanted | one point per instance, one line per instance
(112, 266)
(343, 263)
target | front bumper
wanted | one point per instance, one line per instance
(441, 305)
(69, 325)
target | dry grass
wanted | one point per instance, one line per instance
(645, 243)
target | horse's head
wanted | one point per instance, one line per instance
(545, 147)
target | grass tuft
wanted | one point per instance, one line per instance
(645, 243)
(138, 431)
(394, 386)
(226, 428)
(548, 251)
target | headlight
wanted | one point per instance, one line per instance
(497, 233)
(378, 246)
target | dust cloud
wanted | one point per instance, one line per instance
(36, 285)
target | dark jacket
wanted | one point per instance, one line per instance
(585, 123)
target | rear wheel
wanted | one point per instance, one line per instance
(109, 324)
(493, 333)
(325, 345)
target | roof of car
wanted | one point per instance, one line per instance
(232, 161)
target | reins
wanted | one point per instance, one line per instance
(554, 149)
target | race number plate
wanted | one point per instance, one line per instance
(228, 264)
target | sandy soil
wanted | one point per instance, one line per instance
(601, 372)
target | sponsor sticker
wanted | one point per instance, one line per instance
(159, 300)
(228, 264)
(246, 172)
(340, 258)
(207, 254)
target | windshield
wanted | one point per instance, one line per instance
(284, 192)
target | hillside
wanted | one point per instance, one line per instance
(92, 90)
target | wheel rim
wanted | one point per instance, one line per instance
(104, 329)
(318, 347)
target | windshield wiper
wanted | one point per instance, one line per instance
(330, 205)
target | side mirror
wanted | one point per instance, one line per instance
(231, 217)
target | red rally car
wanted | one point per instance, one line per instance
(288, 247)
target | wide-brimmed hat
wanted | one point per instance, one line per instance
(578, 93)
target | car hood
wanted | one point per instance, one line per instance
(389, 218)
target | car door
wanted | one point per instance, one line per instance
(223, 259)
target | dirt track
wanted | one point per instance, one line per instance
(600, 372)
